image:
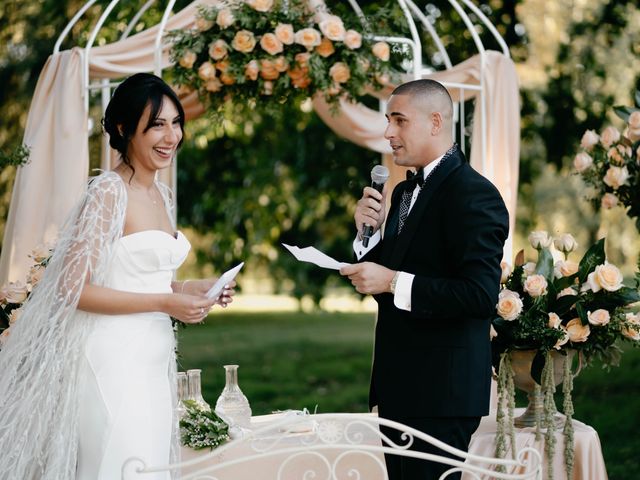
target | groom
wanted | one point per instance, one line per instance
(435, 275)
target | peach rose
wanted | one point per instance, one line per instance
(540, 239)
(599, 317)
(40, 253)
(222, 65)
(325, 49)
(225, 18)
(565, 268)
(566, 291)
(509, 305)
(565, 243)
(218, 49)
(202, 24)
(605, 277)
(268, 87)
(244, 41)
(15, 292)
(615, 156)
(633, 127)
(589, 139)
(35, 274)
(284, 33)
(616, 177)
(352, 39)
(227, 79)
(251, 70)
(506, 271)
(260, 5)
(609, 200)
(582, 162)
(213, 85)
(383, 79)
(302, 59)
(562, 340)
(632, 327)
(332, 28)
(307, 37)
(577, 332)
(281, 64)
(299, 77)
(554, 320)
(609, 136)
(340, 72)
(187, 59)
(535, 285)
(207, 71)
(270, 44)
(268, 70)
(381, 50)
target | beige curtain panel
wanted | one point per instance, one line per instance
(57, 133)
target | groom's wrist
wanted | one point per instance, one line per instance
(394, 283)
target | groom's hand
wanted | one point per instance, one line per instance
(369, 278)
(370, 209)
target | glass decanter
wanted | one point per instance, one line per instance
(232, 404)
(183, 393)
(195, 389)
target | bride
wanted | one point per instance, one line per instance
(87, 376)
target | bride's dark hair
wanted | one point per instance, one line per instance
(127, 104)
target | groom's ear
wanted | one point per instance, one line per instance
(120, 130)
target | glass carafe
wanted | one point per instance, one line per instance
(232, 404)
(183, 393)
(195, 389)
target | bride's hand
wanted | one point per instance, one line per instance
(226, 297)
(188, 308)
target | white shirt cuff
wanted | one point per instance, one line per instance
(402, 297)
(360, 250)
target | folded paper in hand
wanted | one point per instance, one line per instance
(315, 256)
(215, 291)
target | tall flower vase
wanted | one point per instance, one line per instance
(232, 404)
(521, 361)
(195, 388)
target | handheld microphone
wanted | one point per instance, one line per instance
(379, 175)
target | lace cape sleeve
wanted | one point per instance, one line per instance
(40, 360)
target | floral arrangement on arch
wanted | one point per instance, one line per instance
(553, 305)
(13, 295)
(270, 51)
(610, 163)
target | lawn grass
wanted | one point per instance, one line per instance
(291, 360)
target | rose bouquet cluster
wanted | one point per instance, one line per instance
(270, 51)
(13, 295)
(610, 163)
(560, 304)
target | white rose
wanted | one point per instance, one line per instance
(582, 162)
(225, 18)
(599, 318)
(566, 291)
(41, 252)
(565, 243)
(332, 28)
(506, 271)
(609, 136)
(535, 285)
(616, 177)
(15, 315)
(589, 139)
(607, 277)
(578, 333)
(562, 340)
(509, 305)
(554, 320)
(609, 200)
(16, 292)
(633, 129)
(539, 239)
(632, 328)
(35, 274)
(207, 71)
(529, 268)
(564, 268)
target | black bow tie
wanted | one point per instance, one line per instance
(414, 179)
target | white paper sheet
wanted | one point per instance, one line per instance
(315, 256)
(215, 291)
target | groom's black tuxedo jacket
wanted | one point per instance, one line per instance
(435, 361)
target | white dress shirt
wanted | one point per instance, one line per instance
(402, 296)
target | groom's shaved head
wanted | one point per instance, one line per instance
(431, 95)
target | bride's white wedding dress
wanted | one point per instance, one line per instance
(126, 400)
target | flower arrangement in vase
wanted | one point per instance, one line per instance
(553, 308)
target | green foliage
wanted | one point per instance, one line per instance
(201, 429)
(18, 156)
